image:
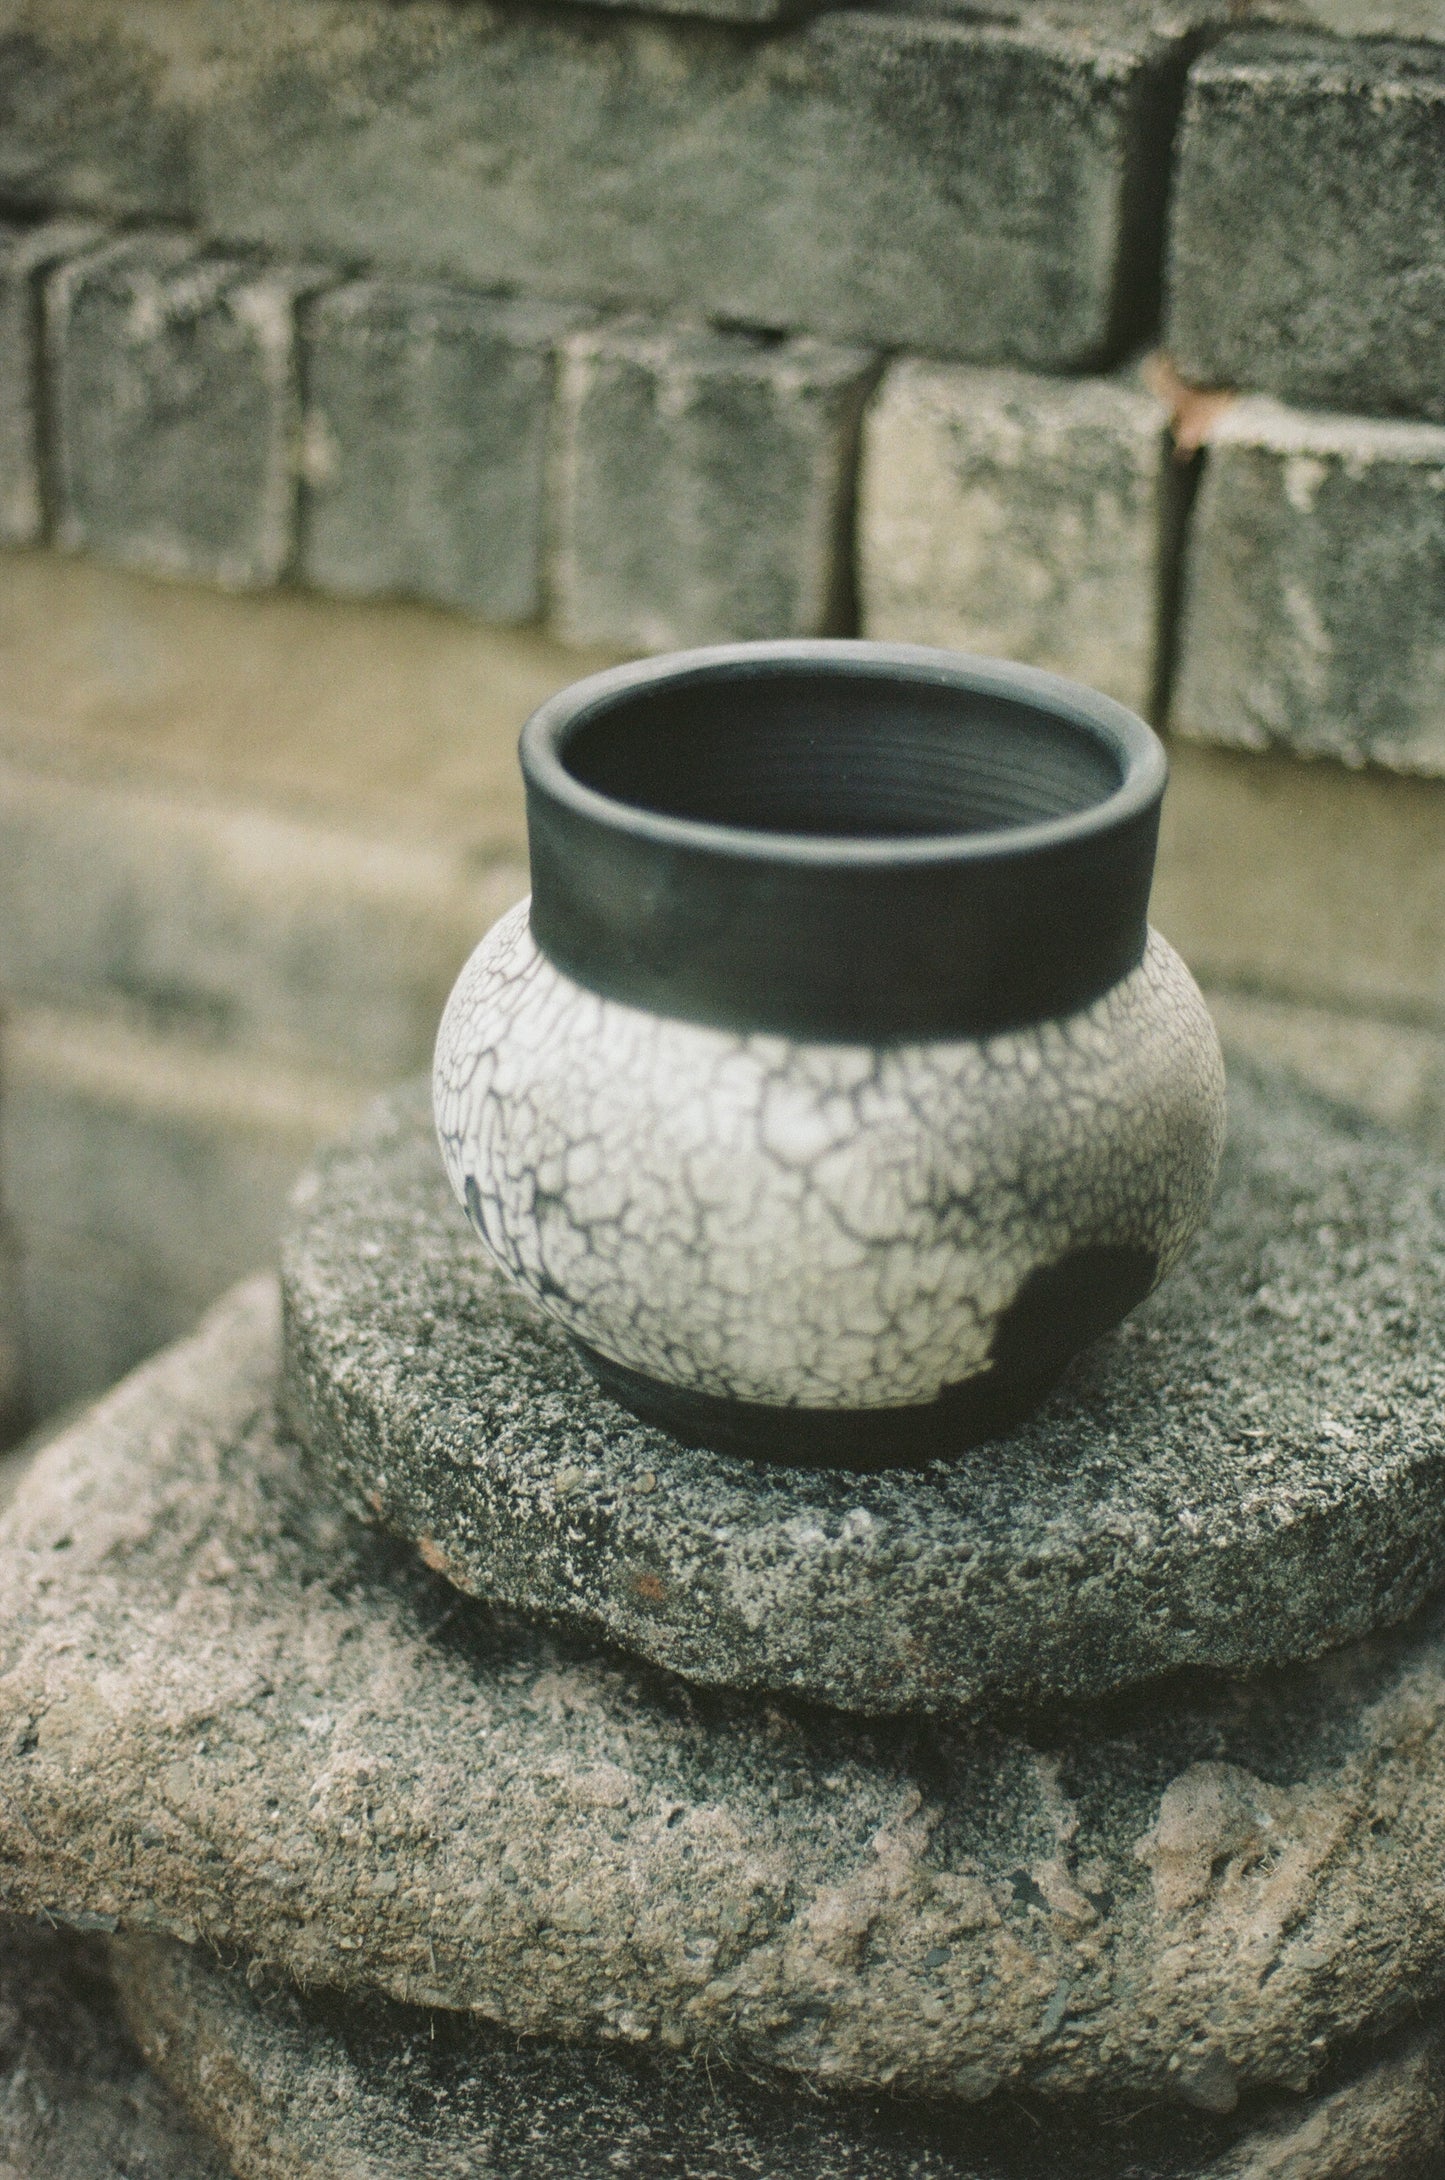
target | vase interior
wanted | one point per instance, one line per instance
(842, 755)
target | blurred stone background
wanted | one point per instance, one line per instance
(369, 368)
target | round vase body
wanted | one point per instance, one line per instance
(765, 1227)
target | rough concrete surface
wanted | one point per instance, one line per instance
(1027, 517)
(991, 189)
(428, 414)
(1394, 1071)
(76, 2100)
(1307, 250)
(704, 485)
(1250, 1469)
(313, 2089)
(227, 1713)
(1314, 582)
(174, 408)
(26, 254)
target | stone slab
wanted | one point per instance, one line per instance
(1026, 517)
(428, 417)
(1314, 575)
(228, 1713)
(1251, 1469)
(1307, 250)
(1306, 882)
(991, 189)
(26, 254)
(76, 2100)
(174, 403)
(309, 2089)
(704, 485)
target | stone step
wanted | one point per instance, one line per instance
(233, 1715)
(300, 2088)
(143, 1174)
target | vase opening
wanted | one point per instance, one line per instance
(827, 752)
(858, 841)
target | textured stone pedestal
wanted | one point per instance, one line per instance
(311, 2089)
(76, 2102)
(1250, 1470)
(228, 1713)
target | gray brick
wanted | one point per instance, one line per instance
(26, 253)
(1308, 247)
(93, 109)
(427, 420)
(175, 408)
(978, 188)
(1314, 600)
(704, 481)
(1030, 518)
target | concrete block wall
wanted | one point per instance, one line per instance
(632, 329)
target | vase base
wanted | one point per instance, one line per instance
(1060, 1309)
(982, 1407)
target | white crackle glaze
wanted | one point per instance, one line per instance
(818, 1225)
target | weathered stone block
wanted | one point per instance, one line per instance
(1027, 517)
(26, 254)
(704, 485)
(1307, 256)
(232, 1715)
(1314, 598)
(142, 1176)
(428, 413)
(306, 2089)
(979, 188)
(175, 408)
(76, 2101)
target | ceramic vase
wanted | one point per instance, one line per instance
(831, 1090)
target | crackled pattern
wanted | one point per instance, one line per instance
(812, 1224)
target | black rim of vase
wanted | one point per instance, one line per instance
(844, 841)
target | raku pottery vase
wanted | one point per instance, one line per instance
(832, 1090)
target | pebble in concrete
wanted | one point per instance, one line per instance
(427, 420)
(1026, 517)
(175, 408)
(704, 485)
(229, 1714)
(1250, 1469)
(1314, 578)
(76, 2101)
(1307, 256)
(311, 2089)
(26, 254)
